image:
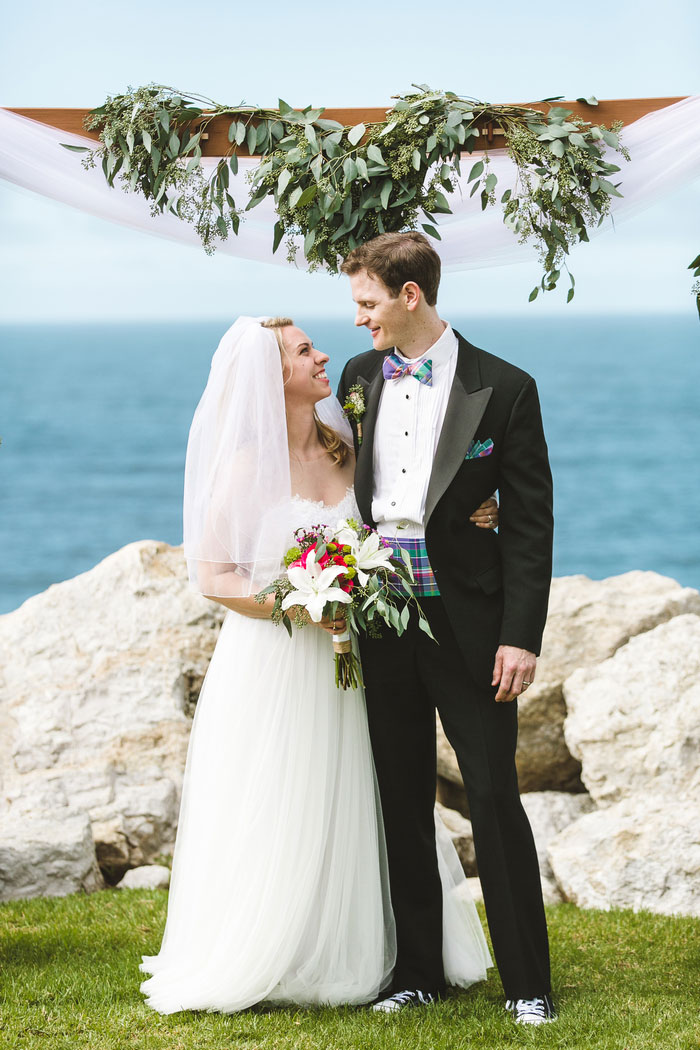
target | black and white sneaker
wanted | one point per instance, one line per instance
(403, 1000)
(539, 1010)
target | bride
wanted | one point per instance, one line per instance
(279, 890)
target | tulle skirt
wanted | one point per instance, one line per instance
(279, 890)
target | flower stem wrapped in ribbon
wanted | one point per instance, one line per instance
(347, 572)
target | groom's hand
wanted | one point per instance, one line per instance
(513, 671)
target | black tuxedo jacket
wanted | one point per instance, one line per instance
(495, 586)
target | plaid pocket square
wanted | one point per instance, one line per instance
(478, 449)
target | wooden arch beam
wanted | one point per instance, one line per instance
(217, 144)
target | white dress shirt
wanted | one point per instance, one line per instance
(409, 421)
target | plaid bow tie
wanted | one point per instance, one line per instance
(394, 368)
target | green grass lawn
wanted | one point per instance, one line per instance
(69, 978)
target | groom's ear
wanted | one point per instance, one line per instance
(411, 294)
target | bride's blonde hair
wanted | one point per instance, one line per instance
(333, 444)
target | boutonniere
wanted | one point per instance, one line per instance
(354, 407)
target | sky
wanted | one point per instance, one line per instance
(57, 264)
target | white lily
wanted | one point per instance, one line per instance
(369, 553)
(314, 587)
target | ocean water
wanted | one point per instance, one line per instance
(94, 422)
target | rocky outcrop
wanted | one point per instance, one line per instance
(47, 856)
(147, 877)
(588, 621)
(460, 831)
(549, 812)
(634, 720)
(99, 676)
(641, 853)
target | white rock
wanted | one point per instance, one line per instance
(47, 856)
(477, 894)
(588, 621)
(634, 721)
(460, 831)
(98, 680)
(549, 812)
(641, 853)
(147, 877)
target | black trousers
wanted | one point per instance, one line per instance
(406, 678)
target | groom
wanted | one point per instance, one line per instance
(444, 425)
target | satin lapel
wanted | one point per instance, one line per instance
(364, 481)
(465, 407)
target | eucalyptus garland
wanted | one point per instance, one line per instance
(339, 186)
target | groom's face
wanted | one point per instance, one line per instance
(386, 317)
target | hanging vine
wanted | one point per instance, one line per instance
(338, 186)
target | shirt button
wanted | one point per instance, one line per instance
(408, 397)
(393, 503)
(406, 433)
(403, 470)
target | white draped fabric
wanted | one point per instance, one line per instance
(664, 148)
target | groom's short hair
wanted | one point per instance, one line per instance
(394, 258)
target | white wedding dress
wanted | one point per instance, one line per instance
(279, 889)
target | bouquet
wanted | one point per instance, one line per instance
(349, 567)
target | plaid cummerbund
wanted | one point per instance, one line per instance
(426, 584)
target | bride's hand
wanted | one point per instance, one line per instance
(486, 516)
(336, 626)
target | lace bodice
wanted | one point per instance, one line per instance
(308, 512)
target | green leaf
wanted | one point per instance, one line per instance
(310, 136)
(240, 133)
(221, 226)
(608, 187)
(533, 294)
(309, 242)
(424, 119)
(308, 195)
(294, 197)
(416, 159)
(476, 171)
(454, 117)
(317, 167)
(349, 169)
(570, 295)
(283, 180)
(590, 101)
(284, 107)
(557, 148)
(425, 626)
(442, 203)
(506, 196)
(362, 168)
(329, 125)
(356, 133)
(431, 230)
(233, 164)
(76, 149)
(490, 182)
(251, 139)
(374, 153)
(405, 616)
(610, 137)
(385, 193)
(174, 144)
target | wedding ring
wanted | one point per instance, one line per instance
(490, 520)
(526, 684)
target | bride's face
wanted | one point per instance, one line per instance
(303, 366)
